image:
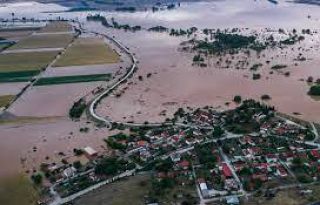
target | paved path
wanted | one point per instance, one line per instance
(315, 131)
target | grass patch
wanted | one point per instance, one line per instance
(5, 100)
(30, 61)
(17, 190)
(88, 51)
(125, 192)
(72, 79)
(44, 41)
(56, 26)
(19, 76)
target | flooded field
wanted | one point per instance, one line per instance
(53, 100)
(166, 79)
(47, 137)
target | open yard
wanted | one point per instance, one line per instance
(54, 27)
(17, 190)
(72, 79)
(288, 197)
(125, 192)
(44, 41)
(5, 99)
(88, 51)
(11, 62)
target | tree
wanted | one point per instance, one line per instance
(314, 90)
(109, 166)
(77, 164)
(237, 99)
(37, 179)
(217, 131)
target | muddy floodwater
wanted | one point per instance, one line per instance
(173, 82)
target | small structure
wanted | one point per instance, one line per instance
(203, 188)
(90, 152)
(176, 157)
(232, 200)
(69, 172)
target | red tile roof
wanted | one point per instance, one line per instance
(226, 170)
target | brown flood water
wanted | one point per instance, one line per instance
(176, 83)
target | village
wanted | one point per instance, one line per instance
(221, 156)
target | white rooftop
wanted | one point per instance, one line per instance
(90, 151)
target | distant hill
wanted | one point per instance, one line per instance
(106, 4)
(315, 2)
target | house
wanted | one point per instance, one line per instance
(176, 157)
(226, 171)
(281, 171)
(90, 152)
(204, 189)
(142, 143)
(184, 164)
(315, 154)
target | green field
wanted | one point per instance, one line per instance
(58, 26)
(88, 51)
(19, 76)
(5, 100)
(10, 62)
(4, 46)
(72, 79)
(44, 41)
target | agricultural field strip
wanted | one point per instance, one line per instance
(44, 41)
(88, 51)
(36, 77)
(5, 100)
(30, 61)
(72, 79)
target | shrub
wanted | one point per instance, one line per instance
(314, 90)
(237, 99)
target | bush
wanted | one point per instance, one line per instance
(265, 97)
(256, 76)
(237, 99)
(314, 90)
(37, 179)
(77, 109)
